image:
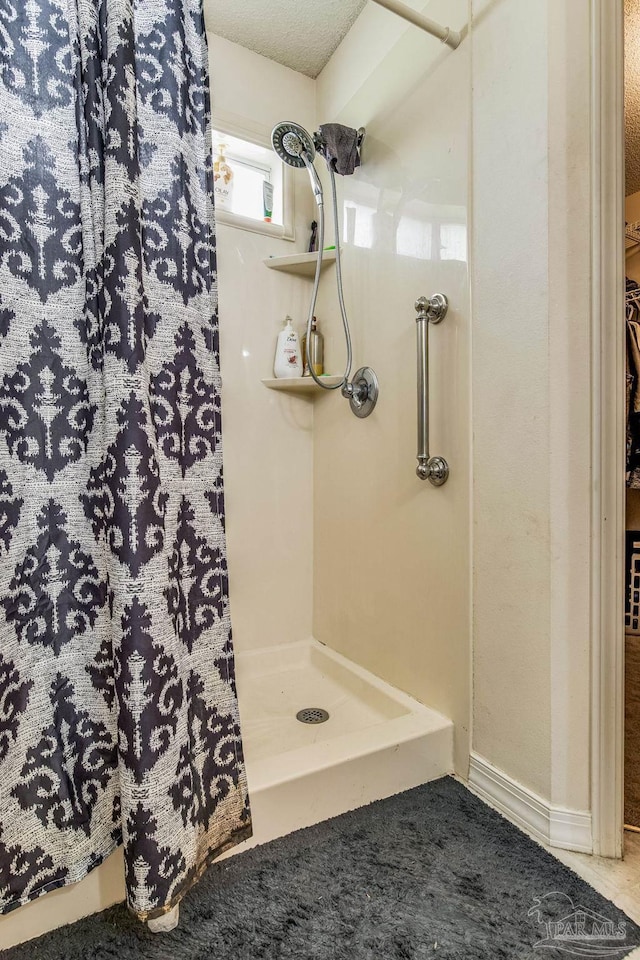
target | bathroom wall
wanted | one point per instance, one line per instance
(531, 393)
(268, 443)
(391, 553)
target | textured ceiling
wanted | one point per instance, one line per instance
(301, 34)
(632, 94)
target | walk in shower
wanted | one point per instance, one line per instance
(363, 738)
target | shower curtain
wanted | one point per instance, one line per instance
(118, 711)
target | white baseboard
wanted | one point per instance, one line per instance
(554, 826)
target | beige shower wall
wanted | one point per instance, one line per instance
(391, 554)
(267, 435)
(531, 393)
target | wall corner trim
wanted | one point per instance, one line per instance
(552, 825)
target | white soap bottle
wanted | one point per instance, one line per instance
(288, 362)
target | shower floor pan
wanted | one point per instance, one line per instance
(376, 742)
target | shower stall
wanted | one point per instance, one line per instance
(363, 608)
(322, 734)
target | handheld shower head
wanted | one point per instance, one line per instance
(294, 145)
(291, 142)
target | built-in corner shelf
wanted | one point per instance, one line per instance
(300, 385)
(301, 264)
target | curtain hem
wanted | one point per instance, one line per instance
(238, 836)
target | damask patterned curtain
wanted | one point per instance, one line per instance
(118, 711)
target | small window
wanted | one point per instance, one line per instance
(248, 196)
(241, 169)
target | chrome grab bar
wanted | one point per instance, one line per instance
(429, 310)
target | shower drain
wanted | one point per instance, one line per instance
(312, 715)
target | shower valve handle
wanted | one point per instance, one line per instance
(356, 390)
(362, 392)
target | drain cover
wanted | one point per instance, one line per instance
(312, 715)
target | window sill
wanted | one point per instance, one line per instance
(274, 230)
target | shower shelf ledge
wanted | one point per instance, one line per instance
(300, 385)
(301, 264)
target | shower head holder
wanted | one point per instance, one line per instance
(318, 141)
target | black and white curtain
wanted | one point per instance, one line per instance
(118, 711)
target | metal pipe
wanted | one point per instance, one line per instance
(451, 37)
(429, 310)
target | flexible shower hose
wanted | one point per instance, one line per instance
(316, 287)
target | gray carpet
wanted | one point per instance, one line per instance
(430, 873)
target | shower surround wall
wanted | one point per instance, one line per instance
(392, 553)
(267, 435)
